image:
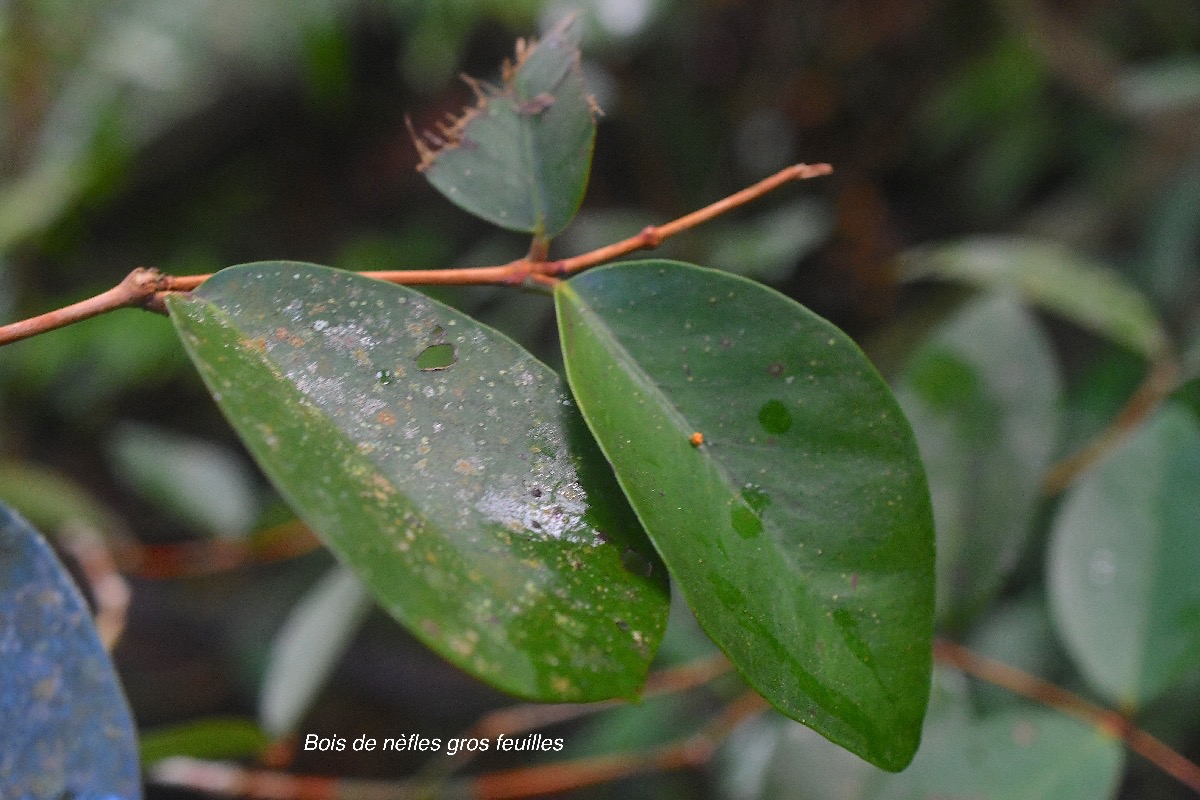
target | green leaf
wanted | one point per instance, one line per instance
(1091, 296)
(197, 480)
(800, 530)
(215, 738)
(984, 397)
(1122, 563)
(308, 647)
(1012, 755)
(520, 157)
(469, 499)
(1019, 754)
(67, 728)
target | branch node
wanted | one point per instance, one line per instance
(651, 237)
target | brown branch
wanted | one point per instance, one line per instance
(136, 287)
(1110, 722)
(147, 288)
(230, 780)
(653, 236)
(109, 590)
(1159, 382)
(531, 716)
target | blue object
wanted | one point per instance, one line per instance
(65, 727)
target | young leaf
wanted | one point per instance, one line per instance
(67, 728)
(1087, 294)
(797, 522)
(1122, 563)
(520, 157)
(466, 495)
(983, 395)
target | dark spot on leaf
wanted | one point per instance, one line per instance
(622, 624)
(776, 369)
(536, 492)
(745, 522)
(726, 343)
(774, 417)
(436, 356)
(636, 563)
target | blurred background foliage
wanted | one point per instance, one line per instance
(195, 134)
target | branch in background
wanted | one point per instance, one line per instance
(1055, 697)
(229, 780)
(146, 288)
(1154, 389)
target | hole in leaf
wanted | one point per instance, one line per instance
(436, 356)
(636, 563)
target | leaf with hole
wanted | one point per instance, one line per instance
(469, 498)
(800, 530)
(520, 157)
(67, 728)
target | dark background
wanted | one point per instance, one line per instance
(192, 136)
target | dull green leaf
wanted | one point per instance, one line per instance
(1122, 560)
(520, 157)
(983, 395)
(308, 647)
(1052, 277)
(1012, 755)
(799, 529)
(469, 499)
(211, 738)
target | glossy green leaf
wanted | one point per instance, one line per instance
(468, 498)
(520, 157)
(1060, 281)
(984, 398)
(800, 530)
(308, 646)
(1123, 560)
(67, 728)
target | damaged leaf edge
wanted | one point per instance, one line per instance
(449, 134)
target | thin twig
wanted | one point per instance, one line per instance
(527, 717)
(109, 589)
(1110, 722)
(653, 236)
(1159, 382)
(532, 716)
(230, 780)
(132, 291)
(147, 288)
